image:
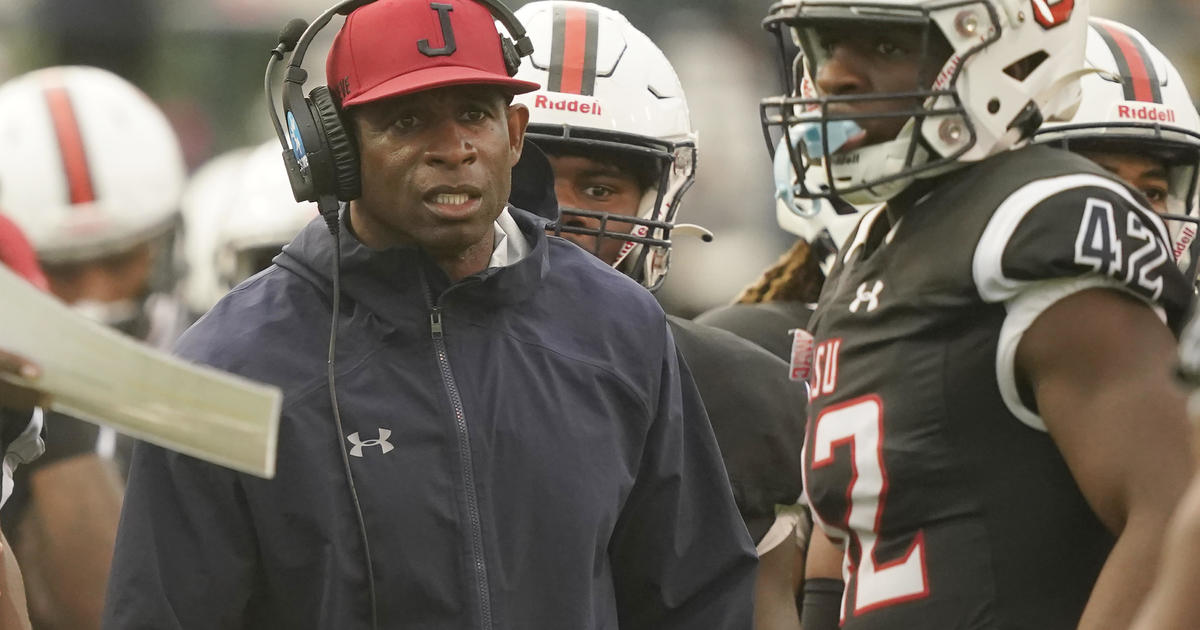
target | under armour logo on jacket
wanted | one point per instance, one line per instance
(359, 444)
(869, 298)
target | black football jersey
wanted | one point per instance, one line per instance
(757, 415)
(767, 324)
(958, 515)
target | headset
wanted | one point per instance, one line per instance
(322, 167)
(321, 158)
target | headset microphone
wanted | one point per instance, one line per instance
(290, 36)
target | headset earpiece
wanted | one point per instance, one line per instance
(512, 58)
(302, 134)
(322, 162)
(343, 154)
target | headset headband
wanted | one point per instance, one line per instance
(502, 13)
(321, 161)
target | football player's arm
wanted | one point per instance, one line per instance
(774, 590)
(1173, 602)
(1098, 366)
(681, 555)
(66, 539)
(18, 402)
(13, 615)
(822, 584)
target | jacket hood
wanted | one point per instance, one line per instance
(384, 280)
(533, 184)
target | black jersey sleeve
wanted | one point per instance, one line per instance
(1078, 225)
(766, 324)
(757, 415)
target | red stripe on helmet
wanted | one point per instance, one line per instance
(18, 255)
(574, 50)
(70, 145)
(1140, 74)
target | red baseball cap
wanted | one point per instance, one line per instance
(393, 47)
(17, 254)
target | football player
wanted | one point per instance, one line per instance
(613, 119)
(209, 195)
(92, 174)
(1147, 134)
(988, 338)
(20, 425)
(239, 214)
(774, 313)
(1138, 121)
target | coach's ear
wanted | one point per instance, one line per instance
(518, 120)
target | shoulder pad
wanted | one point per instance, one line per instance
(1075, 225)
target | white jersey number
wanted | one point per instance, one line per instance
(1098, 246)
(859, 423)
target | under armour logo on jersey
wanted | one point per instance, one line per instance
(869, 298)
(359, 444)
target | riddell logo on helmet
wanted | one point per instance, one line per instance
(947, 73)
(1149, 113)
(1185, 238)
(566, 105)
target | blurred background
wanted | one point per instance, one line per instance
(203, 60)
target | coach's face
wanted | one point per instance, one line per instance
(436, 168)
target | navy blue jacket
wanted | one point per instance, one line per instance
(555, 471)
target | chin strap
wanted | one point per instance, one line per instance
(1043, 98)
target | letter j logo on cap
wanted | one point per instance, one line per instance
(448, 43)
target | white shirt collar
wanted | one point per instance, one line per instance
(510, 245)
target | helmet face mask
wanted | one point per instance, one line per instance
(658, 166)
(985, 75)
(628, 104)
(823, 222)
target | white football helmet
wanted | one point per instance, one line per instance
(90, 166)
(209, 194)
(264, 219)
(1135, 101)
(608, 87)
(239, 212)
(1014, 64)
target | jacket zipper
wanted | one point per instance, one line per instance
(464, 456)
